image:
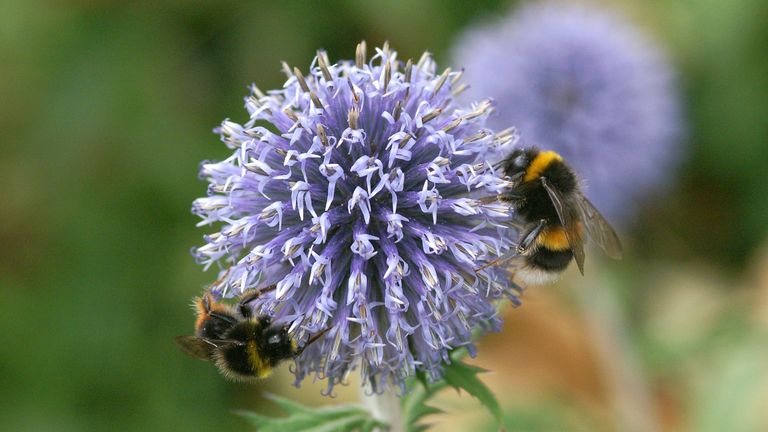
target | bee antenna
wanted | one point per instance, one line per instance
(313, 338)
(317, 335)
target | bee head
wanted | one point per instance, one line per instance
(516, 164)
(278, 343)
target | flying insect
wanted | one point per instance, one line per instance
(553, 216)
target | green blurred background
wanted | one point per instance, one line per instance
(107, 110)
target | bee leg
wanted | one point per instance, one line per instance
(515, 180)
(502, 259)
(225, 318)
(489, 199)
(507, 197)
(242, 305)
(530, 237)
(207, 308)
(216, 283)
(207, 302)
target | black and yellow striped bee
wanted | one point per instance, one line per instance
(243, 347)
(553, 216)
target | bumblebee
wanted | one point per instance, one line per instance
(243, 347)
(553, 216)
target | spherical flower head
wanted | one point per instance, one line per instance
(584, 83)
(357, 190)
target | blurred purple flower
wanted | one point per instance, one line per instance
(354, 190)
(585, 83)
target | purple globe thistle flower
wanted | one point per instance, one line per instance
(584, 83)
(356, 191)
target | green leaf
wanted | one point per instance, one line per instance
(419, 396)
(288, 405)
(302, 418)
(415, 408)
(460, 375)
(420, 428)
(421, 377)
(254, 419)
(345, 424)
(370, 425)
(424, 410)
(456, 374)
(292, 423)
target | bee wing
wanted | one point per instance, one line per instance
(600, 231)
(201, 348)
(569, 218)
(195, 347)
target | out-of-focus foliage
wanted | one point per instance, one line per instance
(413, 405)
(721, 207)
(300, 418)
(107, 110)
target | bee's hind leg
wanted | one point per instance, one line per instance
(530, 237)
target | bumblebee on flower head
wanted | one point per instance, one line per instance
(553, 216)
(243, 346)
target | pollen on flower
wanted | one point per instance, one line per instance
(368, 203)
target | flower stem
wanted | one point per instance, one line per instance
(384, 407)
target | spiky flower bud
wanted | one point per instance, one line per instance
(356, 190)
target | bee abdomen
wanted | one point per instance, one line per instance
(550, 260)
(244, 362)
(239, 361)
